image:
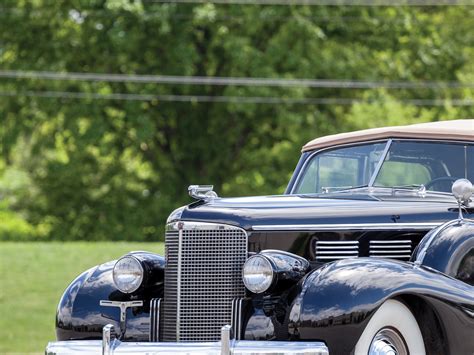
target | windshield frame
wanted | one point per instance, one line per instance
(301, 169)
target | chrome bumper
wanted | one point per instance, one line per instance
(225, 347)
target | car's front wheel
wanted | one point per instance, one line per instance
(393, 330)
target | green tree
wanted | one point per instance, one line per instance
(114, 169)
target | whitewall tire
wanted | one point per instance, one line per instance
(392, 330)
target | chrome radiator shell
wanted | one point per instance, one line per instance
(203, 276)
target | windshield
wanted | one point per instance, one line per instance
(394, 164)
(340, 168)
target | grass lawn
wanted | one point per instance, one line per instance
(33, 277)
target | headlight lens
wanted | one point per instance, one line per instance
(257, 274)
(128, 274)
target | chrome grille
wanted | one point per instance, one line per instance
(203, 275)
(336, 250)
(394, 249)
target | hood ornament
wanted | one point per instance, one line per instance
(202, 192)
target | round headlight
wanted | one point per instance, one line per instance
(257, 274)
(128, 274)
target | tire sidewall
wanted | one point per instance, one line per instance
(393, 314)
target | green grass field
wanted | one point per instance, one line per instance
(32, 279)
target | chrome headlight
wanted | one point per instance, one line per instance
(128, 274)
(257, 274)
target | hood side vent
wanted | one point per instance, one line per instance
(336, 250)
(394, 249)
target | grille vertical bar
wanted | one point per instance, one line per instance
(210, 263)
(169, 309)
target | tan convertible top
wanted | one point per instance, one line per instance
(440, 130)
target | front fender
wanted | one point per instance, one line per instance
(337, 301)
(80, 316)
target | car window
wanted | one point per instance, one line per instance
(395, 173)
(340, 168)
(435, 165)
(470, 163)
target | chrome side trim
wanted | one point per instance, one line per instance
(344, 227)
(380, 163)
(155, 304)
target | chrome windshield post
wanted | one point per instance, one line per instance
(380, 163)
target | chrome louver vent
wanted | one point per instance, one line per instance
(394, 249)
(203, 275)
(336, 250)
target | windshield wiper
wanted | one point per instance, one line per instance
(410, 187)
(337, 189)
(418, 188)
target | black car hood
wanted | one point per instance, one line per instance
(248, 212)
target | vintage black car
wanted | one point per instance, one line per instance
(367, 252)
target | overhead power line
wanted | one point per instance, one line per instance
(83, 13)
(225, 17)
(233, 81)
(327, 2)
(226, 99)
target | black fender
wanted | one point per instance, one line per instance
(337, 301)
(450, 250)
(80, 316)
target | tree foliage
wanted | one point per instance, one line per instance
(97, 169)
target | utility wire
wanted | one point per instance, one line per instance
(263, 17)
(83, 13)
(232, 81)
(327, 2)
(226, 99)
